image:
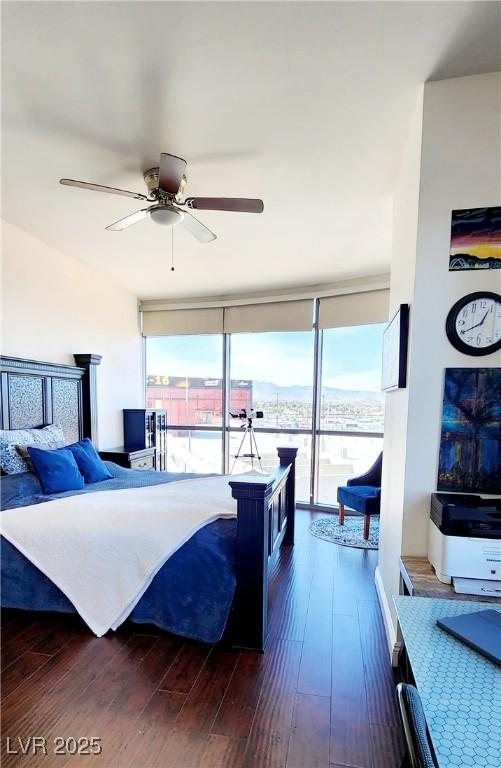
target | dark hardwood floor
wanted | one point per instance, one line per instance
(321, 695)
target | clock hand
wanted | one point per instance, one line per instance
(467, 330)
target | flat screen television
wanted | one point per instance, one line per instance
(395, 335)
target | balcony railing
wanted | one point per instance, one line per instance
(337, 454)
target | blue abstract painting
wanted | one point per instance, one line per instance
(470, 445)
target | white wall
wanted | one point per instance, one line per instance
(460, 168)
(405, 223)
(54, 305)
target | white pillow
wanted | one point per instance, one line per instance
(11, 461)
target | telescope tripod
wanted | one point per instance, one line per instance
(253, 454)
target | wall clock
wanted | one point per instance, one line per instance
(473, 324)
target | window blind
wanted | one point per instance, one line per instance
(183, 322)
(354, 309)
(272, 316)
(334, 312)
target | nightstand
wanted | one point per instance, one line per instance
(140, 458)
(145, 428)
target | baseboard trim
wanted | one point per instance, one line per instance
(391, 633)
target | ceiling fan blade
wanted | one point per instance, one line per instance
(170, 173)
(117, 226)
(197, 229)
(100, 188)
(238, 204)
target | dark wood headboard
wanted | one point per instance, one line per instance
(33, 394)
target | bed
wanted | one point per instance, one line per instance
(221, 571)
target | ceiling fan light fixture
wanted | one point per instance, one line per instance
(165, 184)
(165, 215)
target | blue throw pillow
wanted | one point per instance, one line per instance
(57, 470)
(89, 462)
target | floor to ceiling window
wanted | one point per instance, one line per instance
(279, 369)
(319, 390)
(351, 408)
(184, 375)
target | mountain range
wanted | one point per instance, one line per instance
(267, 391)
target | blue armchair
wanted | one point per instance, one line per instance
(363, 494)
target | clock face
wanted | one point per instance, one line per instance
(479, 322)
(474, 323)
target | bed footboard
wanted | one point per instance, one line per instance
(266, 510)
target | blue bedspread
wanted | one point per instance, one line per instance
(191, 595)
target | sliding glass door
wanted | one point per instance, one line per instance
(318, 390)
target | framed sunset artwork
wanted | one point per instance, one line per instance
(475, 239)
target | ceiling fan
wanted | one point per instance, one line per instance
(165, 186)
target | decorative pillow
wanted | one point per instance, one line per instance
(57, 470)
(89, 462)
(10, 460)
(24, 453)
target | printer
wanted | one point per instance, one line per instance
(464, 545)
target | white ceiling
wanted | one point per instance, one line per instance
(303, 104)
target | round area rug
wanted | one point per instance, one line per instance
(349, 534)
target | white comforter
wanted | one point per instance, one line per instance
(103, 549)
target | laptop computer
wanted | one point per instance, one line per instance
(480, 630)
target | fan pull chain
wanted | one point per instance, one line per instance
(172, 248)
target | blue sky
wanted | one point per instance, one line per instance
(351, 357)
